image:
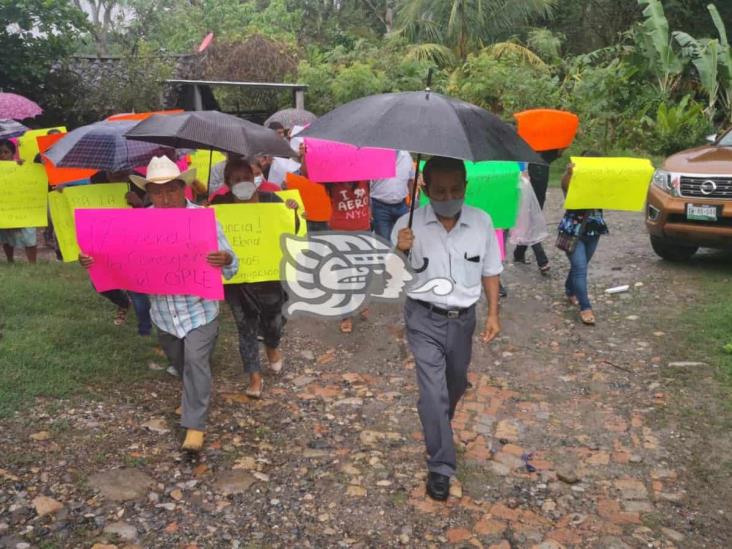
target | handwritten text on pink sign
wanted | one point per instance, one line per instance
(152, 251)
(329, 161)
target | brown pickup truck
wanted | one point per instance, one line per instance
(690, 201)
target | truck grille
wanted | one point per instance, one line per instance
(692, 187)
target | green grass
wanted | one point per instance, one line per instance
(705, 327)
(57, 338)
(710, 329)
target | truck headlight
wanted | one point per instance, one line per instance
(662, 180)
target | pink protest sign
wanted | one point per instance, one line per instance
(332, 162)
(151, 251)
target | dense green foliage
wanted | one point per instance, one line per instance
(644, 75)
(34, 34)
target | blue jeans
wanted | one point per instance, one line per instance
(316, 226)
(385, 216)
(141, 303)
(576, 283)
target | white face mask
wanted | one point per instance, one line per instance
(258, 180)
(244, 190)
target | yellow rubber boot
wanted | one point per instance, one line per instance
(193, 441)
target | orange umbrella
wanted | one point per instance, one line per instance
(547, 129)
(140, 115)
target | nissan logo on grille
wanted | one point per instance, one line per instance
(708, 187)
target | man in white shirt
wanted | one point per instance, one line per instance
(389, 196)
(457, 242)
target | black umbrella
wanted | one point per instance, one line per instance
(212, 130)
(424, 123)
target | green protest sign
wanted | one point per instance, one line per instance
(494, 188)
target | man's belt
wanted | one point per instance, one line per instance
(449, 313)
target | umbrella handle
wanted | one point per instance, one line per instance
(423, 268)
(414, 192)
(210, 161)
(412, 205)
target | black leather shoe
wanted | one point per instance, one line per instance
(438, 486)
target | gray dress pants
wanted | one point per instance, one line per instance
(441, 347)
(191, 356)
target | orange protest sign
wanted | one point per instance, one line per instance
(55, 175)
(547, 129)
(314, 197)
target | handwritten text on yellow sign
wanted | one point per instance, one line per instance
(23, 190)
(254, 232)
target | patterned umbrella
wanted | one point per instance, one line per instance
(17, 107)
(290, 118)
(11, 128)
(103, 146)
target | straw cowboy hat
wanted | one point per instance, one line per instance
(162, 169)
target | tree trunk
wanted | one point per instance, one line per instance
(389, 17)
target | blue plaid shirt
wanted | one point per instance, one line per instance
(179, 314)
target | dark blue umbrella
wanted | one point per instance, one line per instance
(103, 146)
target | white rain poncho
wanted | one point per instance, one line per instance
(530, 225)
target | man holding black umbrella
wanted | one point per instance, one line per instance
(444, 239)
(457, 242)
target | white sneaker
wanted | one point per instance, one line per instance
(172, 371)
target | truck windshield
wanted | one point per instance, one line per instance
(726, 140)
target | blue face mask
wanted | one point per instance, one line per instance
(447, 208)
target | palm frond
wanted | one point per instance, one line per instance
(437, 53)
(503, 15)
(512, 49)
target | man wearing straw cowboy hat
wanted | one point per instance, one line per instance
(187, 325)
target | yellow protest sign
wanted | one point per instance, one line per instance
(29, 145)
(294, 194)
(63, 204)
(23, 190)
(200, 161)
(609, 183)
(254, 232)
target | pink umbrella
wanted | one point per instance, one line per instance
(17, 107)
